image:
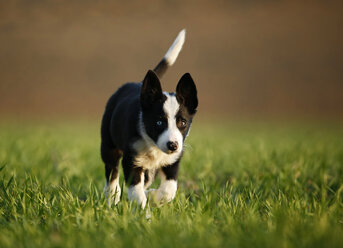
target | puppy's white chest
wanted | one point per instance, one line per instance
(151, 157)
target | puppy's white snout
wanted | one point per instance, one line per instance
(172, 145)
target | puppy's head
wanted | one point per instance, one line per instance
(167, 117)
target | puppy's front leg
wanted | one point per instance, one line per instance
(167, 190)
(134, 176)
(136, 192)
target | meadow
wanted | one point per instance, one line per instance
(240, 185)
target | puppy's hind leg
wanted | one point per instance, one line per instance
(149, 177)
(111, 159)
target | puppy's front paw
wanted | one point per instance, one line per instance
(165, 193)
(137, 194)
(113, 193)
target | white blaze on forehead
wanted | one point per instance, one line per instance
(172, 133)
(170, 106)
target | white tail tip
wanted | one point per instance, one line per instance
(175, 48)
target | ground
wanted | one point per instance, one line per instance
(240, 185)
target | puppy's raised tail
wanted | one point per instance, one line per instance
(171, 55)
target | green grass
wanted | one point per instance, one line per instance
(239, 186)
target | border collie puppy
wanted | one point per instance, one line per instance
(147, 127)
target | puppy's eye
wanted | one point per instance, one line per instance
(159, 123)
(182, 123)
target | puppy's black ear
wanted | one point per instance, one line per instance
(151, 91)
(186, 93)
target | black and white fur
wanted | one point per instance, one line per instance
(147, 128)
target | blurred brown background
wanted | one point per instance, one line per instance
(250, 59)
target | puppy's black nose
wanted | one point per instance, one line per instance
(172, 146)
